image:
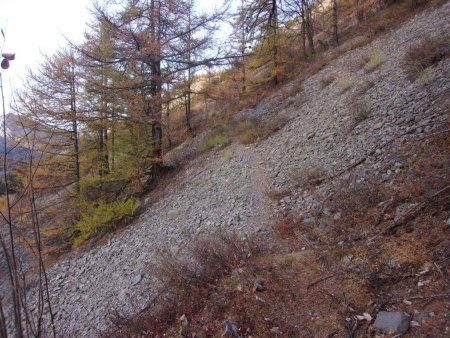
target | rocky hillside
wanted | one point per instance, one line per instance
(359, 121)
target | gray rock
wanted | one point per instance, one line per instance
(348, 259)
(137, 279)
(402, 209)
(275, 330)
(258, 286)
(230, 330)
(310, 221)
(324, 223)
(420, 317)
(392, 322)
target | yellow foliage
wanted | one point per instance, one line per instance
(102, 217)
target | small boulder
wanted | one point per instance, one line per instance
(230, 330)
(136, 279)
(348, 259)
(258, 286)
(420, 317)
(392, 322)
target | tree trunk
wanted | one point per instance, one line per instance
(244, 79)
(273, 27)
(75, 141)
(335, 22)
(303, 28)
(310, 29)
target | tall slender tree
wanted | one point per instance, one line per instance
(262, 20)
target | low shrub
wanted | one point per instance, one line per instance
(220, 140)
(278, 195)
(363, 88)
(286, 226)
(424, 54)
(326, 81)
(196, 182)
(355, 200)
(359, 111)
(227, 156)
(102, 216)
(213, 257)
(189, 281)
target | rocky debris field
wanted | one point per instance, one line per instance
(324, 137)
(229, 187)
(222, 192)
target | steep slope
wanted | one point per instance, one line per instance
(321, 140)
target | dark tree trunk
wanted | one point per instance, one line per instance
(303, 28)
(76, 151)
(335, 23)
(310, 29)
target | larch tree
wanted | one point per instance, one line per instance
(262, 20)
(51, 100)
(303, 10)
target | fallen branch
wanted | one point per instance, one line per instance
(320, 280)
(415, 211)
(383, 211)
(430, 297)
(371, 153)
(332, 334)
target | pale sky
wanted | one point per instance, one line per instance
(33, 27)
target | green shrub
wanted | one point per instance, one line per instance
(196, 182)
(227, 156)
(105, 187)
(102, 216)
(214, 141)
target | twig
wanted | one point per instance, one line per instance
(414, 212)
(321, 280)
(430, 297)
(370, 153)
(332, 334)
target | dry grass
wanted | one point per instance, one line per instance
(425, 54)
(345, 84)
(219, 140)
(355, 201)
(309, 177)
(253, 130)
(278, 195)
(287, 226)
(375, 60)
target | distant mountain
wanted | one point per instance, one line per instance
(14, 132)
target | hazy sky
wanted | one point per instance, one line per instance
(33, 27)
